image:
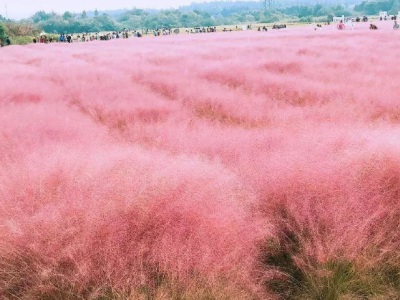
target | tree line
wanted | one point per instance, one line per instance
(173, 18)
(374, 7)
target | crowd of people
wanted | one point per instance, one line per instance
(125, 34)
(350, 23)
(88, 37)
(160, 31)
(202, 30)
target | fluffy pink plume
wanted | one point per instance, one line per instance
(175, 166)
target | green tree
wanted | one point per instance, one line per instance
(67, 16)
(84, 15)
(41, 16)
(374, 7)
(3, 34)
(105, 22)
(133, 22)
(185, 20)
(339, 10)
(395, 8)
(96, 13)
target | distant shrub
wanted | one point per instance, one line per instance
(306, 19)
(22, 40)
(21, 29)
(3, 35)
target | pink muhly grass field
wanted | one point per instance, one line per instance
(241, 165)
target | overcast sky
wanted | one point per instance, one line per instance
(17, 9)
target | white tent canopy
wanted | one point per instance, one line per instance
(383, 14)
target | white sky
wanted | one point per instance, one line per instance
(17, 9)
